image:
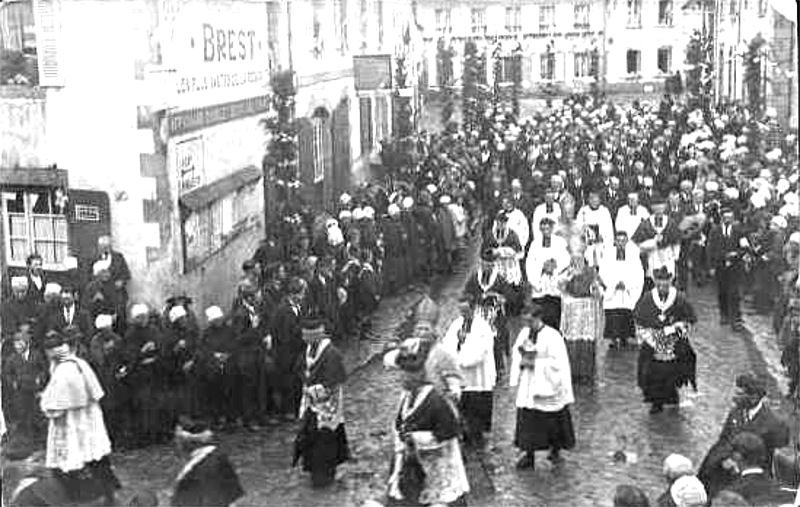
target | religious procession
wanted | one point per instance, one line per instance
(372, 253)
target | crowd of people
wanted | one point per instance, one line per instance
(594, 220)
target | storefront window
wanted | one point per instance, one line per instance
(35, 222)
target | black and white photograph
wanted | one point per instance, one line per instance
(399, 253)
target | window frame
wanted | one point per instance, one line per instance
(477, 17)
(583, 60)
(442, 20)
(582, 20)
(634, 14)
(668, 52)
(318, 149)
(545, 24)
(665, 15)
(638, 54)
(547, 65)
(514, 19)
(31, 239)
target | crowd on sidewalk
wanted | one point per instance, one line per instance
(595, 220)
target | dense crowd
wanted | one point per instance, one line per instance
(594, 222)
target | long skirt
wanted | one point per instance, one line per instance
(476, 408)
(538, 430)
(321, 449)
(659, 382)
(582, 326)
(551, 307)
(619, 324)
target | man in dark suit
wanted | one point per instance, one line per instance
(250, 326)
(750, 414)
(120, 275)
(287, 348)
(68, 315)
(36, 279)
(753, 482)
(520, 199)
(726, 242)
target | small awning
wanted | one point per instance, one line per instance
(37, 177)
(202, 197)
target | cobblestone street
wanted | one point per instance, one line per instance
(608, 416)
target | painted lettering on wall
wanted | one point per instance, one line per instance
(221, 45)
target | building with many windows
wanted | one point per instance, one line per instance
(630, 45)
(141, 118)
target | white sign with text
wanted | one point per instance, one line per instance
(218, 52)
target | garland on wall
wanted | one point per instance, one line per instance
(753, 75)
(280, 161)
(470, 92)
(699, 69)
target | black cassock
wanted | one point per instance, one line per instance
(666, 364)
(208, 479)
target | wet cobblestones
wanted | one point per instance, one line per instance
(608, 416)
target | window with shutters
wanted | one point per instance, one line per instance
(478, 21)
(664, 61)
(509, 67)
(340, 24)
(583, 64)
(548, 66)
(35, 221)
(547, 18)
(365, 113)
(382, 123)
(48, 34)
(582, 16)
(443, 20)
(513, 19)
(665, 12)
(635, 13)
(18, 62)
(633, 61)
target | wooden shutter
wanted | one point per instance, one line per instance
(305, 149)
(341, 147)
(327, 148)
(47, 14)
(365, 110)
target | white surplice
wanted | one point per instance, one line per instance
(518, 222)
(548, 385)
(629, 222)
(542, 284)
(541, 212)
(628, 271)
(476, 356)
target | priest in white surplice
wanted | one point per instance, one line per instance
(595, 220)
(623, 277)
(550, 209)
(547, 257)
(631, 215)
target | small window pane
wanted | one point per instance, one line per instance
(19, 250)
(60, 228)
(15, 205)
(43, 228)
(18, 226)
(40, 202)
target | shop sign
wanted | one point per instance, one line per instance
(189, 163)
(372, 72)
(217, 52)
(190, 120)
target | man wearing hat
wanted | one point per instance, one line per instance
(321, 442)
(427, 466)
(750, 414)
(251, 326)
(24, 375)
(726, 244)
(286, 348)
(664, 318)
(16, 310)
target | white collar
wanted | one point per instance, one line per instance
(753, 412)
(197, 456)
(405, 410)
(492, 278)
(663, 306)
(752, 471)
(311, 359)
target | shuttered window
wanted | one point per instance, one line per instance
(322, 148)
(48, 36)
(365, 113)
